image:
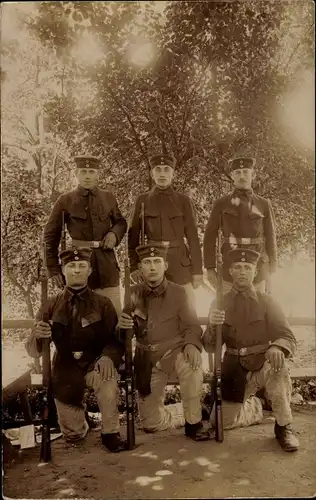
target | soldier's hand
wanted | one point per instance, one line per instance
(42, 330)
(57, 280)
(193, 356)
(212, 277)
(137, 277)
(105, 367)
(197, 280)
(216, 317)
(109, 241)
(276, 357)
(125, 321)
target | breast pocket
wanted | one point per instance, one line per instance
(152, 223)
(176, 219)
(230, 221)
(257, 219)
(78, 214)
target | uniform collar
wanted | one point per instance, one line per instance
(242, 193)
(69, 293)
(157, 190)
(84, 192)
(248, 293)
(159, 290)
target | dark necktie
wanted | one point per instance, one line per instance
(241, 310)
(89, 215)
(244, 207)
(74, 313)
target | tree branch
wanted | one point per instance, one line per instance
(130, 121)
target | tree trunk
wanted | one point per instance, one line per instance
(29, 305)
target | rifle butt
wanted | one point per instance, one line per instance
(46, 450)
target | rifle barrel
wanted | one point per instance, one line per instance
(129, 374)
(46, 452)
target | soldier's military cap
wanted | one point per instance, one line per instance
(241, 162)
(75, 254)
(155, 250)
(162, 159)
(242, 255)
(87, 161)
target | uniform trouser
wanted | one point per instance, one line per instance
(72, 420)
(259, 287)
(157, 417)
(113, 293)
(277, 387)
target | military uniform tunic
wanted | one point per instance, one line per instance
(164, 326)
(91, 334)
(247, 220)
(252, 320)
(89, 215)
(169, 217)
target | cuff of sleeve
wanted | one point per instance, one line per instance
(208, 339)
(286, 345)
(115, 356)
(113, 231)
(33, 347)
(194, 341)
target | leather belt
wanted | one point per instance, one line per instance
(90, 244)
(155, 347)
(247, 351)
(243, 241)
(169, 244)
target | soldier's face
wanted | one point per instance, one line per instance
(153, 269)
(243, 274)
(243, 177)
(77, 273)
(87, 177)
(162, 175)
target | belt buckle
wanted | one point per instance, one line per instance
(232, 240)
(243, 351)
(152, 347)
(77, 354)
(165, 243)
(245, 241)
(95, 244)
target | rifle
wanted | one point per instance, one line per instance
(142, 234)
(63, 232)
(46, 453)
(219, 433)
(129, 372)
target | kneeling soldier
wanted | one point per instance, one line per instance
(168, 340)
(82, 326)
(258, 340)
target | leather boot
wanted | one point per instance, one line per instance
(286, 437)
(114, 442)
(196, 432)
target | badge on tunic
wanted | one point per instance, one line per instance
(77, 354)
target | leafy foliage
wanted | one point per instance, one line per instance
(76, 77)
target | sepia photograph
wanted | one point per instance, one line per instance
(158, 249)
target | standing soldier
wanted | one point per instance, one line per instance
(169, 218)
(247, 221)
(93, 219)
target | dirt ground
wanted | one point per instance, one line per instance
(249, 463)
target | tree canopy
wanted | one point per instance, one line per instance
(125, 79)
